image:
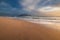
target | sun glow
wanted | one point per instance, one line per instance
(48, 9)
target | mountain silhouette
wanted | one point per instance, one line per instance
(24, 15)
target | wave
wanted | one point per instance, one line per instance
(43, 20)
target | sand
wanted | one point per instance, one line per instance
(12, 29)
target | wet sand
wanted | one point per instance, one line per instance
(12, 29)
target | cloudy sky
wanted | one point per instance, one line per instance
(22, 6)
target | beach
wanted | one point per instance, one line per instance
(13, 29)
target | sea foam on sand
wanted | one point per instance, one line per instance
(47, 22)
(55, 24)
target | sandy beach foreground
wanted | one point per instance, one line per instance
(12, 29)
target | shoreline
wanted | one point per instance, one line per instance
(45, 23)
(11, 29)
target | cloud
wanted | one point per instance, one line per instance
(49, 9)
(30, 4)
(6, 8)
(33, 4)
(41, 9)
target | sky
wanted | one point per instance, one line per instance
(16, 7)
(13, 3)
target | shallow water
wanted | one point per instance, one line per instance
(46, 21)
(50, 22)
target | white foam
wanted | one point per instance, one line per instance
(48, 23)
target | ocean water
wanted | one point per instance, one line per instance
(41, 19)
(50, 22)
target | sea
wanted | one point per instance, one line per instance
(42, 20)
(50, 22)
